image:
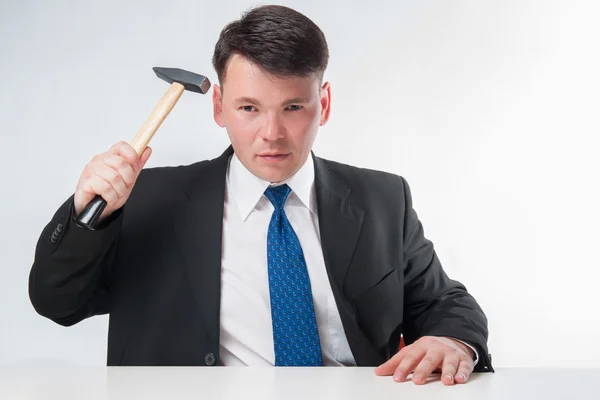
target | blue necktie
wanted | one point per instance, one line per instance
(295, 334)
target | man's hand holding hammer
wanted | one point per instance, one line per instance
(111, 175)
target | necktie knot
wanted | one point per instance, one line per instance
(277, 195)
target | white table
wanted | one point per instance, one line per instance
(284, 383)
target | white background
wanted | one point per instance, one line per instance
(489, 110)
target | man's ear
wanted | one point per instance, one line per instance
(217, 97)
(325, 103)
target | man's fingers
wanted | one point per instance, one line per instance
(449, 369)
(104, 189)
(430, 362)
(143, 158)
(408, 363)
(124, 150)
(388, 367)
(428, 355)
(120, 165)
(112, 177)
(464, 371)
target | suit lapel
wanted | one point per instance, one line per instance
(340, 222)
(199, 229)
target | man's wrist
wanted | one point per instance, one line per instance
(470, 350)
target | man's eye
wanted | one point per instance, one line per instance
(294, 107)
(248, 108)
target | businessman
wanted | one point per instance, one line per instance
(267, 254)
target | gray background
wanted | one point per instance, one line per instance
(489, 109)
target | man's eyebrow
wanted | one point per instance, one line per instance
(255, 102)
(249, 100)
(295, 100)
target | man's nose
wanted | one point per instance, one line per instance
(273, 128)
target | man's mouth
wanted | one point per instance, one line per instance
(273, 157)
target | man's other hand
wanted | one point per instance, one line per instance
(429, 354)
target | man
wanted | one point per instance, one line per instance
(266, 255)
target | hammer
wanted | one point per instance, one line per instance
(180, 80)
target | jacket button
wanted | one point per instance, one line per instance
(210, 359)
(53, 238)
(59, 228)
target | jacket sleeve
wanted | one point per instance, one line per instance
(69, 279)
(434, 304)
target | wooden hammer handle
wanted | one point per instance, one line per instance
(160, 112)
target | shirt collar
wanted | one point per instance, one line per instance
(247, 189)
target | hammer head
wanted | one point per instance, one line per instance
(190, 81)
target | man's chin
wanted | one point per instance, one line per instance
(273, 172)
(272, 175)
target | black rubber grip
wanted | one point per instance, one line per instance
(88, 217)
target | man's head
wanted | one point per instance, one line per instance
(271, 100)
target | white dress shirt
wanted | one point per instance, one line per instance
(246, 327)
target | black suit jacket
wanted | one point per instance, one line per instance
(155, 266)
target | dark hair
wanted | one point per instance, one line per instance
(280, 40)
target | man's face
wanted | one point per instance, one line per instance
(272, 122)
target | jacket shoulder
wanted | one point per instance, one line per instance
(171, 175)
(160, 187)
(161, 181)
(362, 181)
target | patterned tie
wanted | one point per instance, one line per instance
(295, 333)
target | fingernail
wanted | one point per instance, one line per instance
(461, 377)
(449, 377)
(398, 377)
